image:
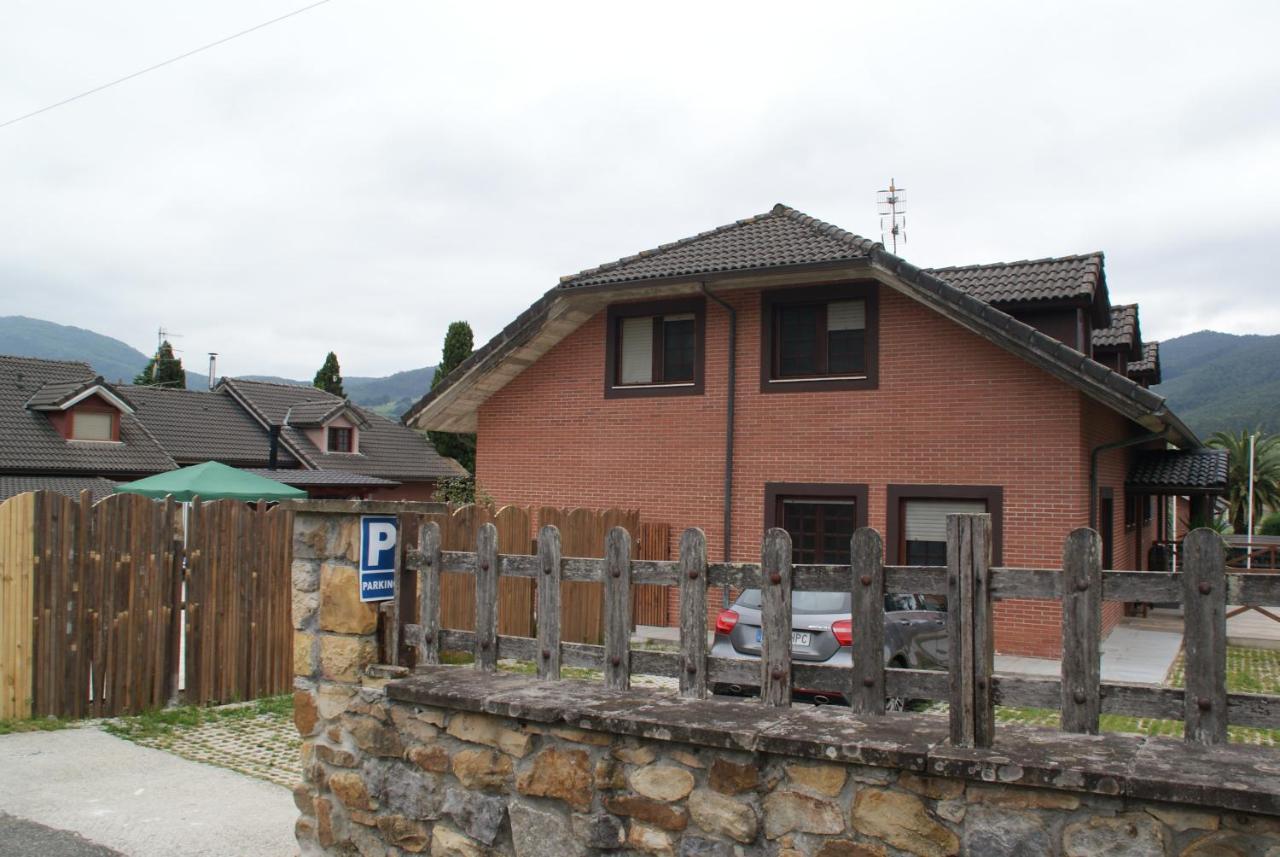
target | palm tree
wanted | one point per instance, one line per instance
(1266, 474)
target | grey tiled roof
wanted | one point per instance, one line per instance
(1124, 331)
(198, 425)
(70, 486)
(1203, 470)
(29, 443)
(1148, 367)
(312, 414)
(778, 238)
(388, 450)
(1029, 281)
(55, 393)
(322, 478)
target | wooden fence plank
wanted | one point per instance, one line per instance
(617, 609)
(429, 594)
(693, 613)
(1205, 637)
(487, 598)
(548, 615)
(970, 630)
(1081, 632)
(775, 617)
(866, 694)
(17, 590)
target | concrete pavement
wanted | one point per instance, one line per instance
(135, 800)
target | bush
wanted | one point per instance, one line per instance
(460, 491)
(1270, 525)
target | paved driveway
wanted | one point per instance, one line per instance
(133, 800)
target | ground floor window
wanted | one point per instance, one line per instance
(820, 518)
(917, 519)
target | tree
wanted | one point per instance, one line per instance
(329, 378)
(163, 370)
(1266, 474)
(458, 341)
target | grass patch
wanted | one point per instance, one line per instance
(34, 724)
(155, 726)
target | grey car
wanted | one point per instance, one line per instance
(915, 636)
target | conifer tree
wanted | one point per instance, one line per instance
(458, 342)
(329, 377)
(163, 370)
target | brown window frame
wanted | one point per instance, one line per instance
(328, 439)
(868, 292)
(993, 495)
(776, 492)
(613, 345)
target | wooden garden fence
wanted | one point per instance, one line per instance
(968, 581)
(96, 601)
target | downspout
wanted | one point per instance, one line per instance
(730, 405)
(1093, 468)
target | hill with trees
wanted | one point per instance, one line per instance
(1222, 381)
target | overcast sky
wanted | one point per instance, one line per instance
(358, 176)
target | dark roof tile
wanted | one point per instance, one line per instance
(1124, 331)
(69, 486)
(1029, 281)
(1199, 469)
(197, 425)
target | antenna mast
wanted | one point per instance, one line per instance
(892, 216)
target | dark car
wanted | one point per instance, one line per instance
(915, 636)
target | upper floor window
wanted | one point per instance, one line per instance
(341, 439)
(654, 349)
(92, 425)
(819, 338)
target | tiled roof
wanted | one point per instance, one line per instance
(55, 394)
(387, 450)
(1030, 281)
(1199, 470)
(312, 414)
(778, 238)
(322, 478)
(1147, 369)
(1124, 331)
(70, 486)
(197, 425)
(29, 443)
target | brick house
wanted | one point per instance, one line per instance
(779, 371)
(64, 429)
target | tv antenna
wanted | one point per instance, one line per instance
(891, 215)
(162, 335)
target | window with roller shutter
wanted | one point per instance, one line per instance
(654, 349)
(820, 338)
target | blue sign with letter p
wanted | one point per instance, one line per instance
(377, 557)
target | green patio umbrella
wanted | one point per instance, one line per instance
(210, 481)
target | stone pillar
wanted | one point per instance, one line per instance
(339, 708)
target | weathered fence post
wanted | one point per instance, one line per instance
(487, 572)
(775, 618)
(1081, 631)
(617, 610)
(1204, 598)
(693, 613)
(549, 603)
(969, 629)
(866, 694)
(429, 594)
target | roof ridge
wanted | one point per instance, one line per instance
(299, 386)
(1073, 257)
(77, 363)
(828, 229)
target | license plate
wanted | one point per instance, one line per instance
(798, 638)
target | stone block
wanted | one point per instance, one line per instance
(310, 537)
(1232, 843)
(825, 780)
(542, 833)
(482, 769)
(686, 758)
(653, 812)
(582, 736)
(1130, 835)
(304, 660)
(349, 787)
(934, 788)
(1180, 819)
(410, 792)
(1009, 797)
(341, 610)
(305, 605)
(446, 842)
(731, 778)
(404, 832)
(649, 840)
(344, 658)
(609, 775)
(478, 816)
(430, 757)
(373, 736)
(561, 774)
(336, 756)
(662, 782)
(333, 699)
(415, 728)
(305, 715)
(1005, 833)
(491, 732)
(724, 816)
(633, 755)
(787, 811)
(696, 846)
(848, 848)
(304, 799)
(902, 821)
(599, 830)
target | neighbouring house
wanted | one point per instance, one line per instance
(64, 429)
(780, 371)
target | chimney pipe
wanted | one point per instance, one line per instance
(213, 367)
(274, 455)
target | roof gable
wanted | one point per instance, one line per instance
(64, 395)
(1123, 332)
(1033, 283)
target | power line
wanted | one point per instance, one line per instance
(159, 65)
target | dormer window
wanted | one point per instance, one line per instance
(341, 439)
(92, 425)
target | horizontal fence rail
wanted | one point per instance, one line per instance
(968, 580)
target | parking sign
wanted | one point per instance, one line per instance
(377, 557)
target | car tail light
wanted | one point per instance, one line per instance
(725, 621)
(843, 629)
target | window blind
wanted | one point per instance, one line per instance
(846, 315)
(91, 426)
(637, 351)
(926, 520)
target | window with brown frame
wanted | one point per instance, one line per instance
(917, 518)
(340, 439)
(654, 348)
(819, 338)
(820, 518)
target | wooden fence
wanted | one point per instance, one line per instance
(92, 604)
(968, 581)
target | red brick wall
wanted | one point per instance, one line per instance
(951, 409)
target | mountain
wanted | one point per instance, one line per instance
(114, 360)
(1222, 381)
